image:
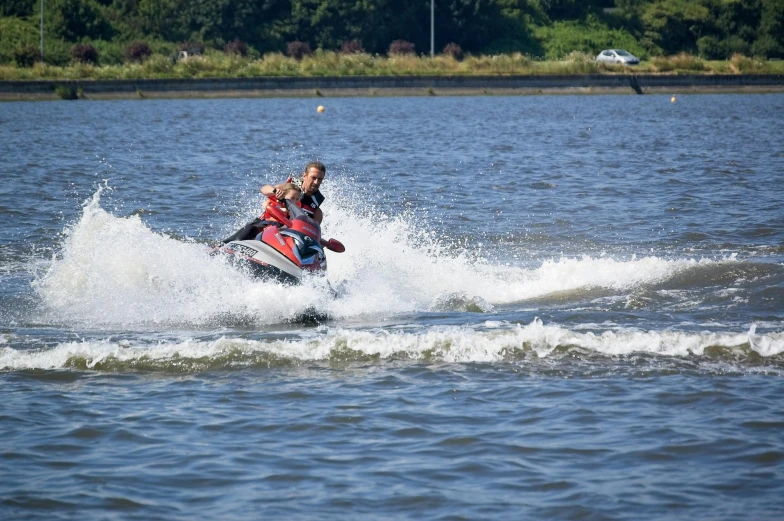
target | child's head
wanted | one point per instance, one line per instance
(291, 191)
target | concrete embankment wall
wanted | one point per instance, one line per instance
(396, 85)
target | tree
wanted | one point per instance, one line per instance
(675, 25)
(18, 8)
(73, 20)
(157, 16)
(570, 9)
(770, 42)
(514, 29)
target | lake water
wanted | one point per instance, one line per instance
(564, 307)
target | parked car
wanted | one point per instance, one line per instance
(617, 56)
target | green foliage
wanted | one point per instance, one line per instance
(675, 25)
(592, 36)
(66, 92)
(156, 16)
(747, 65)
(20, 8)
(716, 29)
(710, 29)
(111, 52)
(57, 52)
(770, 41)
(570, 9)
(75, 20)
(15, 33)
(680, 63)
(768, 47)
(27, 56)
(512, 30)
(157, 66)
(712, 48)
(473, 24)
(215, 64)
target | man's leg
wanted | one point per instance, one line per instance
(244, 233)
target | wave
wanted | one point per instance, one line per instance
(492, 343)
(116, 272)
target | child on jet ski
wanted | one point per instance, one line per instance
(288, 196)
(286, 191)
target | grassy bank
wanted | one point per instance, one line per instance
(327, 63)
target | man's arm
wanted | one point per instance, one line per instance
(269, 190)
(317, 215)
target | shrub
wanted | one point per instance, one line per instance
(710, 48)
(737, 45)
(192, 48)
(15, 33)
(84, 53)
(236, 47)
(111, 53)
(767, 47)
(679, 62)
(27, 55)
(401, 47)
(453, 50)
(66, 92)
(741, 63)
(579, 57)
(57, 52)
(157, 65)
(138, 52)
(298, 50)
(352, 47)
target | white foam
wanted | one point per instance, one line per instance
(117, 271)
(391, 266)
(449, 344)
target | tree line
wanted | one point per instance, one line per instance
(550, 29)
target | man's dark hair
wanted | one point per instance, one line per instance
(318, 165)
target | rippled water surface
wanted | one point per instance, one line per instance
(554, 307)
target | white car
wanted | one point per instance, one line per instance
(617, 56)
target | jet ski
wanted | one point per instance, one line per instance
(282, 245)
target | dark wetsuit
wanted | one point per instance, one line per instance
(249, 231)
(309, 203)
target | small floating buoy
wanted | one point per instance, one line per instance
(673, 100)
(320, 108)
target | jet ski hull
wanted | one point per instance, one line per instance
(262, 261)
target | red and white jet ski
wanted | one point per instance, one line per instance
(281, 247)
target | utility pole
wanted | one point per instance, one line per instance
(432, 27)
(42, 30)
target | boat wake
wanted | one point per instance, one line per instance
(115, 272)
(536, 344)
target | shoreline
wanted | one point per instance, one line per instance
(369, 86)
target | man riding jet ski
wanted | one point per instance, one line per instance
(283, 244)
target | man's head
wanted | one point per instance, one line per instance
(313, 176)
